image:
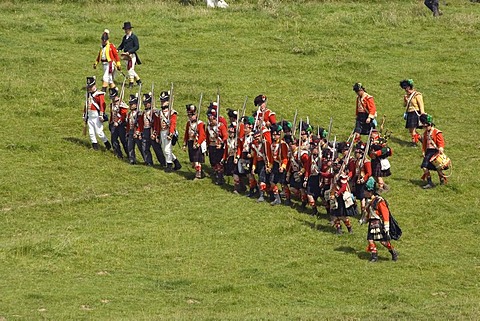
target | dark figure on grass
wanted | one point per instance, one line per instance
(133, 134)
(414, 108)
(94, 114)
(433, 152)
(118, 123)
(365, 112)
(130, 47)
(145, 127)
(433, 6)
(378, 217)
(195, 139)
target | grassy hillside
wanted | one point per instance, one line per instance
(86, 236)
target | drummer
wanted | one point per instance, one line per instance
(433, 146)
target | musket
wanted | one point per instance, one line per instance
(122, 92)
(295, 122)
(85, 114)
(198, 112)
(237, 130)
(367, 147)
(152, 108)
(383, 123)
(244, 106)
(299, 141)
(218, 108)
(329, 128)
(170, 104)
(256, 119)
(347, 157)
(139, 103)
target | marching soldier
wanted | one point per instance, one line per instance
(413, 103)
(262, 161)
(166, 125)
(117, 125)
(133, 134)
(312, 178)
(266, 115)
(94, 114)
(433, 145)
(130, 47)
(216, 138)
(108, 56)
(365, 111)
(295, 173)
(195, 140)
(244, 153)
(379, 153)
(231, 158)
(360, 170)
(280, 161)
(145, 127)
(378, 217)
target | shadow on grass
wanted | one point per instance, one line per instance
(400, 142)
(317, 227)
(78, 141)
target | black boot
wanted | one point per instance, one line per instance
(429, 183)
(130, 84)
(95, 146)
(374, 257)
(177, 165)
(104, 89)
(394, 254)
(108, 146)
(139, 82)
(169, 168)
(252, 192)
(304, 205)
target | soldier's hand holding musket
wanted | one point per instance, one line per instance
(101, 117)
(170, 136)
(184, 148)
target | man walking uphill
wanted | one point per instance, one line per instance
(130, 46)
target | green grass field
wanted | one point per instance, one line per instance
(85, 236)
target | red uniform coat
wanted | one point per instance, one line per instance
(216, 135)
(436, 136)
(262, 152)
(366, 104)
(160, 122)
(199, 136)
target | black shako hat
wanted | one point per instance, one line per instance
(127, 25)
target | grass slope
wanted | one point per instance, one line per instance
(85, 236)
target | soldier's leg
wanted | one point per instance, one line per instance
(131, 148)
(146, 144)
(115, 140)
(122, 134)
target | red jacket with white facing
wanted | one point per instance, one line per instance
(97, 101)
(160, 122)
(194, 131)
(435, 136)
(366, 104)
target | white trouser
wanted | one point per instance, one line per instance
(131, 72)
(216, 3)
(95, 127)
(107, 75)
(167, 146)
